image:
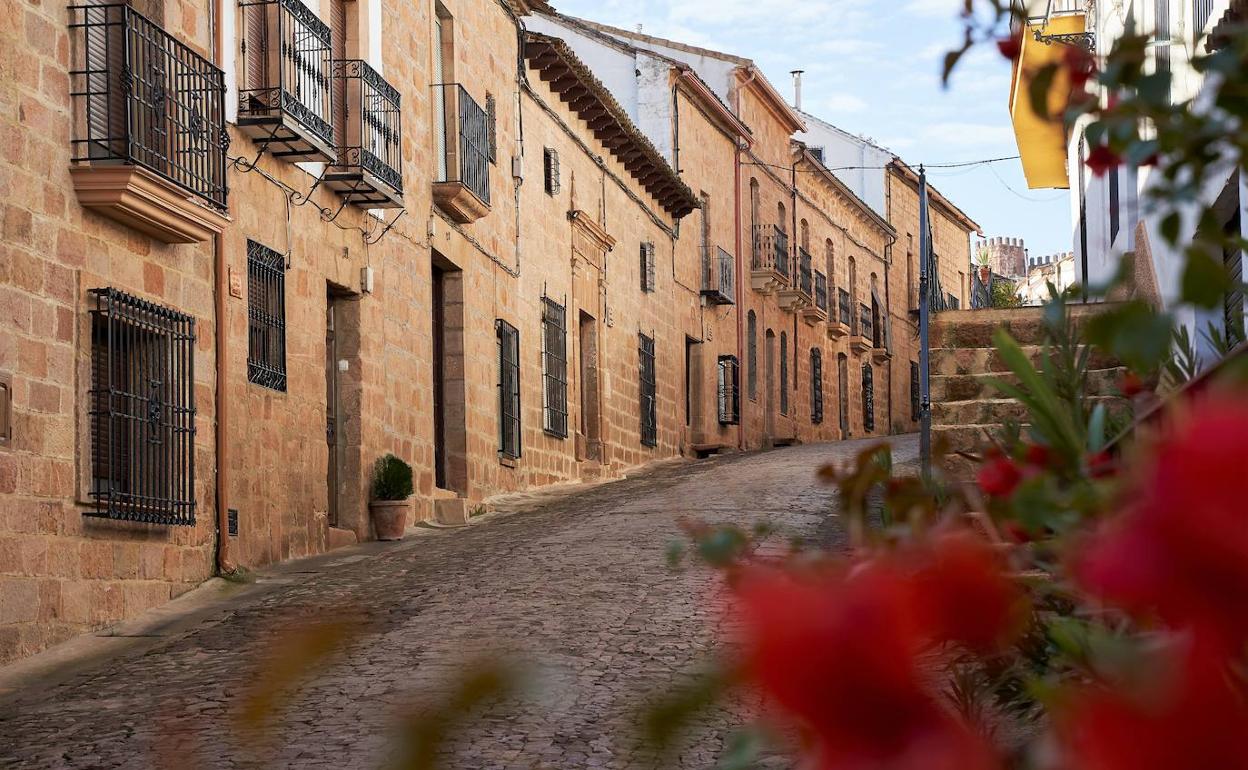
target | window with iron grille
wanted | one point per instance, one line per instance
(868, 397)
(784, 373)
(142, 402)
(550, 170)
(751, 361)
(508, 389)
(729, 390)
(266, 316)
(554, 368)
(647, 267)
(915, 386)
(649, 396)
(816, 386)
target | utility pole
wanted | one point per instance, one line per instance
(925, 313)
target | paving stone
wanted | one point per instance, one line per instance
(575, 586)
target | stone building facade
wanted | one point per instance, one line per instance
(518, 276)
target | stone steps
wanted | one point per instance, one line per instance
(951, 361)
(998, 411)
(968, 387)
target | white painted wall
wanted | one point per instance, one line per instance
(855, 161)
(616, 69)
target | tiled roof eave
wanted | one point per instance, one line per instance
(590, 100)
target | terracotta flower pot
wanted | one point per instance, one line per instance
(389, 518)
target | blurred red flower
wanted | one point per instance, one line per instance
(1188, 718)
(1102, 159)
(838, 651)
(1180, 551)
(1039, 455)
(999, 476)
(1131, 385)
(1011, 47)
(1080, 65)
(963, 594)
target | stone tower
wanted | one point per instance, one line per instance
(1006, 256)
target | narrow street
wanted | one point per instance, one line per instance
(576, 585)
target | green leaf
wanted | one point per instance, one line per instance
(1134, 333)
(1039, 88)
(1170, 225)
(1205, 279)
(1096, 429)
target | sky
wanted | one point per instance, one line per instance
(872, 67)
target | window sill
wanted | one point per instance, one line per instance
(460, 204)
(508, 462)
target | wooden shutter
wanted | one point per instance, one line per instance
(338, 50)
(255, 47)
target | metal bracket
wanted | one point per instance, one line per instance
(1085, 40)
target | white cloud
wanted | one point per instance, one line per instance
(830, 106)
(965, 134)
(934, 8)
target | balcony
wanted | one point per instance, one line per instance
(864, 340)
(1042, 139)
(149, 132)
(719, 272)
(462, 129)
(839, 318)
(285, 101)
(769, 262)
(368, 171)
(801, 295)
(817, 311)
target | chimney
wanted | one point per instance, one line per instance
(797, 88)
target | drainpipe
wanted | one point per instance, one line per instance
(224, 564)
(741, 309)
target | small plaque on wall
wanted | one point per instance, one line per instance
(236, 285)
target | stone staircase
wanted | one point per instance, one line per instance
(965, 407)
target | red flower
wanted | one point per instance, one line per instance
(1180, 552)
(999, 477)
(1190, 717)
(1102, 159)
(1102, 466)
(1080, 65)
(1039, 455)
(838, 651)
(1131, 384)
(1011, 47)
(962, 594)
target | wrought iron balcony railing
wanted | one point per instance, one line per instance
(1202, 11)
(369, 168)
(146, 99)
(285, 100)
(805, 278)
(719, 268)
(463, 137)
(821, 291)
(844, 310)
(866, 327)
(771, 250)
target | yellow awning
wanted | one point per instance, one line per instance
(1042, 141)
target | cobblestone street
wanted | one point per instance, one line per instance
(574, 584)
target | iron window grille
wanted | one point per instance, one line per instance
(805, 275)
(821, 291)
(647, 268)
(751, 362)
(266, 317)
(914, 391)
(866, 325)
(465, 132)
(550, 170)
(369, 169)
(771, 249)
(142, 411)
(816, 386)
(554, 368)
(844, 308)
(508, 390)
(729, 390)
(286, 54)
(784, 373)
(842, 380)
(148, 100)
(868, 397)
(648, 391)
(718, 275)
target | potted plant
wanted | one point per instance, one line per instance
(392, 486)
